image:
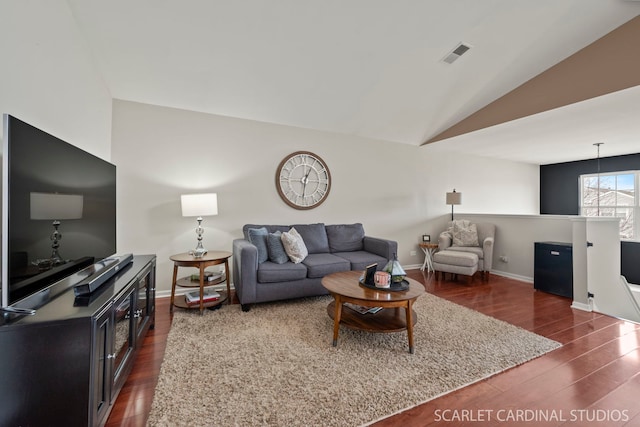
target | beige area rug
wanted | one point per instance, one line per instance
(275, 365)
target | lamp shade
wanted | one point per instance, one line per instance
(205, 204)
(454, 198)
(55, 206)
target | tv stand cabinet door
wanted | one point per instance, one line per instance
(124, 337)
(102, 379)
(45, 374)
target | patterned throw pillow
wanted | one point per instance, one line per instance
(294, 246)
(465, 236)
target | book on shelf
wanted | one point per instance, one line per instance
(209, 276)
(208, 295)
(362, 309)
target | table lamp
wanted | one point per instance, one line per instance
(199, 205)
(454, 199)
(55, 206)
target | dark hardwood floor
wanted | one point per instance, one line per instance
(592, 380)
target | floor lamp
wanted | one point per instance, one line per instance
(454, 199)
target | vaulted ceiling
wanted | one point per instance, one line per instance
(370, 68)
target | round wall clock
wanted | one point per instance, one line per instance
(303, 180)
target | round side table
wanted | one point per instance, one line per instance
(429, 249)
(201, 263)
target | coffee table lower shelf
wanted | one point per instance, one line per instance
(385, 321)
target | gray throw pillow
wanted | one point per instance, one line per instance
(277, 253)
(258, 237)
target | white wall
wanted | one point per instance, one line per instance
(48, 78)
(397, 191)
(515, 237)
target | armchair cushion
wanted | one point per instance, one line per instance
(465, 236)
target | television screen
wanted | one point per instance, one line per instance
(59, 210)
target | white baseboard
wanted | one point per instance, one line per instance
(581, 306)
(512, 276)
(496, 272)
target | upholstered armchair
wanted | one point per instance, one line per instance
(476, 238)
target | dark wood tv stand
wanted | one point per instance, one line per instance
(66, 364)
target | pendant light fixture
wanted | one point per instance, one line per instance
(598, 144)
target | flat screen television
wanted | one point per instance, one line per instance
(58, 210)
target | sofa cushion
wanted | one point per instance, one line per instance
(319, 265)
(360, 259)
(345, 237)
(258, 237)
(269, 272)
(277, 253)
(314, 237)
(294, 246)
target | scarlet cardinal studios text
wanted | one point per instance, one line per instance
(531, 415)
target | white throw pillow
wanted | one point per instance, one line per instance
(294, 246)
(465, 236)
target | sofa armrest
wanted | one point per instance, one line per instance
(487, 249)
(383, 247)
(444, 241)
(245, 270)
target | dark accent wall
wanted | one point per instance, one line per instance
(630, 257)
(560, 192)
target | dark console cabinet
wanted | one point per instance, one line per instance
(553, 268)
(66, 364)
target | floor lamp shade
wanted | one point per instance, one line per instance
(454, 198)
(199, 205)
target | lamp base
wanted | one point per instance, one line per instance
(198, 252)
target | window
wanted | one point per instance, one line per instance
(613, 194)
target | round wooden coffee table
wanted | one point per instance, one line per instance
(397, 312)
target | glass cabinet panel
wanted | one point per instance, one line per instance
(123, 331)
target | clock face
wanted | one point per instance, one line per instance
(303, 180)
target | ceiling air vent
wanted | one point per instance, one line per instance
(456, 53)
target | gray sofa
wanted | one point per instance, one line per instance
(332, 248)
